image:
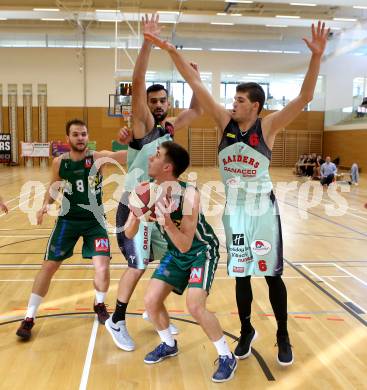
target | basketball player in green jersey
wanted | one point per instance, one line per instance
(74, 173)
(251, 217)
(151, 127)
(190, 261)
(3, 206)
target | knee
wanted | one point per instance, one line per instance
(103, 269)
(50, 267)
(196, 309)
(150, 302)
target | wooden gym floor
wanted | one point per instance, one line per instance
(325, 274)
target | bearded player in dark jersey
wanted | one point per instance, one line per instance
(251, 218)
(151, 127)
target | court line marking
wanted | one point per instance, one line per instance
(88, 358)
(320, 278)
(327, 293)
(350, 274)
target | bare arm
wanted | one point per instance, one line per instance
(183, 236)
(142, 118)
(276, 121)
(132, 226)
(187, 116)
(119, 156)
(49, 199)
(219, 113)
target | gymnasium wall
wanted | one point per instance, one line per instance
(349, 145)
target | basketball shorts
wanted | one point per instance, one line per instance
(196, 270)
(254, 242)
(66, 233)
(148, 243)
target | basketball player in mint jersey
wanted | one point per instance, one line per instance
(251, 219)
(190, 260)
(151, 127)
(73, 172)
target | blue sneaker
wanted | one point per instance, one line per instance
(226, 369)
(161, 352)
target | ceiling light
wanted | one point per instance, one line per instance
(222, 24)
(304, 4)
(47, 9)
(168, 21)
(236, 14)
(259, 74)
(291, 52)
(288, 16)
(360, 6)
(221, 14)
(234, 50)
(270, 51)
(53, 19)
(108, 10)
(3, 19)
(276, 25)
(169, 12)
(345, 19)
(192, 48)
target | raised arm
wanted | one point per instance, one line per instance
(219, 113)
(143, 120)
(276, 121)
(119, 156)
(195, 110)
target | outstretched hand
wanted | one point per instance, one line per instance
(124, 136)
(319, 37)
(151, 26)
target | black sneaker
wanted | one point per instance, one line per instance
(24, 331)
(285, 355)
(101, 311)
(243, 349)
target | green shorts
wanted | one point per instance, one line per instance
(66, 233)
(182, 271)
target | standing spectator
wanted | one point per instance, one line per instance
(316, 169)
(328, 171)
(354, 174)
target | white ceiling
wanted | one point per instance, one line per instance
(254, 29)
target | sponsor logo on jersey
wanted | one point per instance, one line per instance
(254, 140)
(101, 245)
(261, 247)
(145, 238)
(242, 159)
(238, 269)
(196, 275)
(231, 135)
(88, 163)
(243, 172)
(238, 239)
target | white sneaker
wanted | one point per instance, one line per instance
(173, 328)
(120, 334)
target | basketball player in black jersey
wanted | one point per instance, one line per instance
(237, 125)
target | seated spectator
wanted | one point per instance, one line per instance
(298, 164)
(316, 170)
(311, 162)
(303, 165)
(336, 161)
(328, 171)
(354, 174)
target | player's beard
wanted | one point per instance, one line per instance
(78, 148)
(159, 117)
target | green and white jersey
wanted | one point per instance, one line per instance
(80, 188)
(140, 150)
(244, 160)
(204, 238)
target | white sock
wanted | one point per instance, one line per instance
(166, 337)
(222, 347)
(100, 296)
(33, 303)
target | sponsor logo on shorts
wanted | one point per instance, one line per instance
(238, 239)
(261, 247)
(101, 245)
(88, 163)
(238, 269)
(145, 239)
(196, 275)
(245, 260)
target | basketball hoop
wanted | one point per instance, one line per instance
(120, 104)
